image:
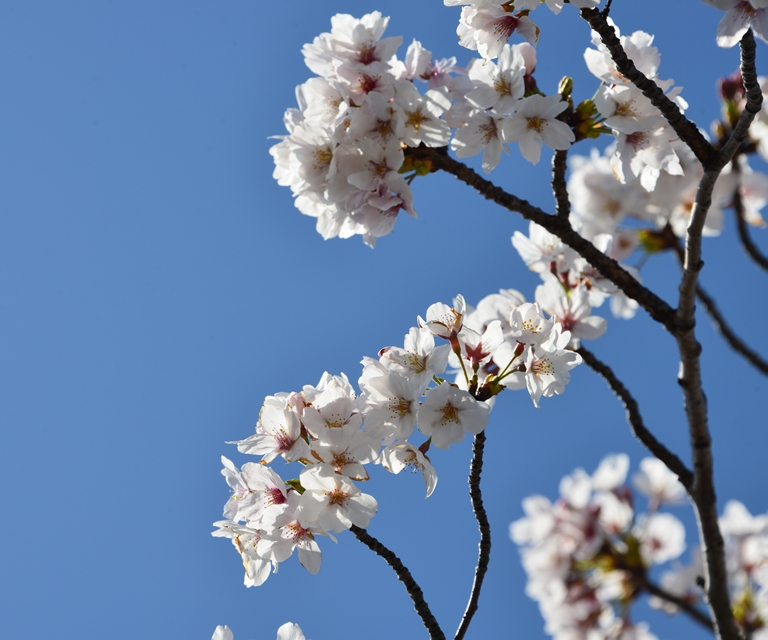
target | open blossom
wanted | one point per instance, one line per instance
(421, 115)
(529, 324)
(419, 359)
(534, 123)
(540, 249)
(740, 15)
(392, 402)
(403, 455)
(333, 501)
(498, 86)
(444, 321)
(481, 132)
(485, 27)
(657, 482)
(639, 49)
(254, 489)
(278, 434)
(246, 539)
(662, 538)
(289, 530)
(449, 413)
(571, 309)
(477, 349)
(547, 365)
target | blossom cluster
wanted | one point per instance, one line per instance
(587, 554)
(571, 286)
(333, 432)
(344, 149)
(746, 544)
(344, 157)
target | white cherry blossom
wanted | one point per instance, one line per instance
(449, 413)
(657, 482)
(222, 633)
(403, 455)
(740, 16)
(333, 501)
(534, 123)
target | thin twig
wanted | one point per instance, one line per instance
(703, 490)
(718, 319)
(484, 548)
(746, 240)
(734, 341)
(681, 603)
(685, 129)
(658, 309)
(414, 590)
(559, 186)
(635, 420)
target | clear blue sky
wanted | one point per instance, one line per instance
(156, 284)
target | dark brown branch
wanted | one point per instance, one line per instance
(754, 101)
(414, 590)
(635, 420)
(746, 240)
(686, 130)
(703, 490)
(484, 548)
(724, 329)
(608, 267)
(681, 603)
(559, 187)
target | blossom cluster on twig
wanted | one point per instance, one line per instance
(589, 554)
(333, 433)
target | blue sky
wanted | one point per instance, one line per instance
(156, 283)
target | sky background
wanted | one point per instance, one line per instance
(156, 284)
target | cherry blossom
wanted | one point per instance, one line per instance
(657, 482)
(547, 365)
(449, 413)
(740, 16)
(222, 633)
(333, 501)
(534, 122)
(403, 455)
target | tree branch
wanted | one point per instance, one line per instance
(417, 596)
(635, 420)
(687, 131)
(559, 187)
(658, 309)
(484, 548)
(680, 602)
(746, 240)
(703, 489)
(754, 100)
